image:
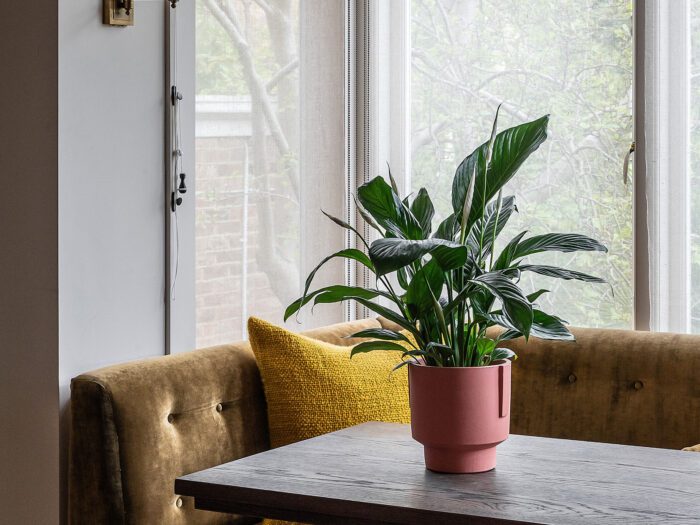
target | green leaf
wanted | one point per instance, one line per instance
(423, 210)
(510, 149)
(390, 254)
(403, 276)
(560, 273)
(366, 216)
(370, 346)
(382, 334)
(378, 309)
(500, 354)
(303, 300)
(426, 284)
(338, 292)
(516, 308)
(350, 253)
(493, 227)
(345, 225)
(467, 208)
(392, 181)
(544, 326)
(507, 256)
(559, 242)
(377, 197)
(447, 229)
(536, 295)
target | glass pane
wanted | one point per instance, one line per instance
(694, 119)
(247, 150)
(569, 58)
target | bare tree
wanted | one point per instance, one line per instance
(276, 119)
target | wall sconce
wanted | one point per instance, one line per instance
(118, 12)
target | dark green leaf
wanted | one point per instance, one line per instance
(366, 216)
(423, 210)
(333, 294)
(510, 149)
(494, 220)
(299, 303)
(500, 354)
(390, 254)
(516, 308)
(560, 242)
(426, 284)
(560, 273)
(507, 256)
(345, 225)
(370, 346)
(536, 295)
(545, 326)
(349, 253)
(377, 197)
(382, 334)
(447, 229)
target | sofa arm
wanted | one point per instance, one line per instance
(94, 474)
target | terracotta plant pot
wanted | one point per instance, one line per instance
(460, 415)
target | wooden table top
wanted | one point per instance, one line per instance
(374, 474)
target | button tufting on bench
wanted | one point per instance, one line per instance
(178, 502)
(638, 385)
(219, 407)
(171, 418)
(572, 378)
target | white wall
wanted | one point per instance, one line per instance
(111, 197)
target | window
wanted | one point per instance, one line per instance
(299, 101)
(576, 66)
(267, 138)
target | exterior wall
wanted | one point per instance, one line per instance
(221, 309)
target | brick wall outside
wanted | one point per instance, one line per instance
(219, 246)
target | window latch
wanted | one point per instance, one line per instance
(626, 164)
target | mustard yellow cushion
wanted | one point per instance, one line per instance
(313, 387)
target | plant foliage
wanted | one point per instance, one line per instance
(445, 283)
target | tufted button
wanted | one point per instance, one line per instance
(178, 502)
(219, 407)
(572, 378)
(637, 385)
(171, 418)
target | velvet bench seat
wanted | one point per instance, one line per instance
(136, 427)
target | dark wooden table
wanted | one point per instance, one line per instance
(374, 474)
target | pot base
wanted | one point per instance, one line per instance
(463, 460)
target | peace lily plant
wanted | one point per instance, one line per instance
(446, 285)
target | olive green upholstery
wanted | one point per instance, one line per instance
(136, 427)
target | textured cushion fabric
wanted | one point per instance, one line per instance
(314, 387)
(614, 386)
(137, 426)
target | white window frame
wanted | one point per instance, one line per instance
(662, 190)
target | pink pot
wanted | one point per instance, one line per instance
(460, 415)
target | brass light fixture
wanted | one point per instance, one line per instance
(118, 12)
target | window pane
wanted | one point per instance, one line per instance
(694, 118)
(571, 59)
(270, 155)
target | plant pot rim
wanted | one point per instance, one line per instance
(503, 362)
